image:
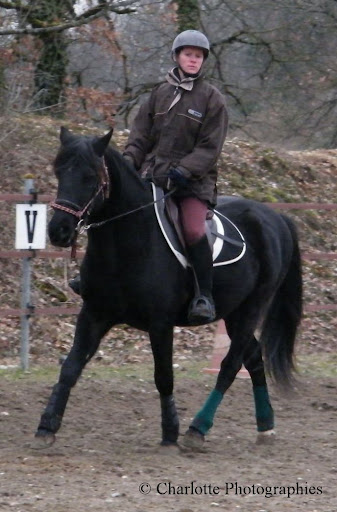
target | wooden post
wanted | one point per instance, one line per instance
(25, 296)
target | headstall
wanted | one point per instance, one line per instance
(69, 207)
(74, 209)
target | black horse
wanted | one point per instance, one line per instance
(129, 275)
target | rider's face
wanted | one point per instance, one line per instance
(190, 59)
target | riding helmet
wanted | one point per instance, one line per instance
(190, 38)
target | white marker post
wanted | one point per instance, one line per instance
(31, 221)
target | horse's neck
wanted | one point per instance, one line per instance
(131, 191)
(122, 227)
(123, 241)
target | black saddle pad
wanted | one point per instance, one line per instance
(227, 241)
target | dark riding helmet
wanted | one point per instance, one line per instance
(190, 38)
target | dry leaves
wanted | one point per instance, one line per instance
(247, 169)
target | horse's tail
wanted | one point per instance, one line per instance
(283, 318)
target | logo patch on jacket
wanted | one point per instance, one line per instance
(194, 113)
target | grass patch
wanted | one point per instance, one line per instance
(318, 365)
(314, 365)
(38, 373)
(103, 371)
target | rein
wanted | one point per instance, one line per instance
(81, 229)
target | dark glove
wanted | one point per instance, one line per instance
(177, 177)
(130, 160)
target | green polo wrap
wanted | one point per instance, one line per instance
(203, 420)
(263, 409)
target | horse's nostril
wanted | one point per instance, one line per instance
(60, 234)
(64, 232)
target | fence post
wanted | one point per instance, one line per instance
(25, 294)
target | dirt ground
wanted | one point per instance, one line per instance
(108, 447)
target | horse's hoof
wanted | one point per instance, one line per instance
(193, 440)
(267, 438)
(168, 447)
(168, 443)
(43, 440)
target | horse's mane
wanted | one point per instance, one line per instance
(80, 149)
(115, 158)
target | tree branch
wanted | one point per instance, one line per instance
(15, 6)
(10, 5)
(84, 19)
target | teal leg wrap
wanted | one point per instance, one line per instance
(203, 421)
(263, 409)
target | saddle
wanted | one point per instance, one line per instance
(225, 239)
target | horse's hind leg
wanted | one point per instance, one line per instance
(203, 421)
(263, 410)
(162, 347)
(88, 334)
(241, 335)
(252, 360)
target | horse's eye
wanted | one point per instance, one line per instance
(89, 179)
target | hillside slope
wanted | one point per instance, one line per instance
(28, 145)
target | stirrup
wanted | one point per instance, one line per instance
(201, 310)
(75, 284)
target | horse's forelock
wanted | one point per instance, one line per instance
(76, 151)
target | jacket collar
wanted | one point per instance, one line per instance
(173, 78)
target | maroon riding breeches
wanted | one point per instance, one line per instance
(193, 213)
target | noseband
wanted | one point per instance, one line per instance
(74, 209)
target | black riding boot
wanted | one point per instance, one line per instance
(75, 284)
(201, 309)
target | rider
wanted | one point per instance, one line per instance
(175, 140)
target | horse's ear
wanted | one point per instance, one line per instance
(65, 135)
(102, 143)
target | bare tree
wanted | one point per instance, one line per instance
(49, 22)
(274, 61)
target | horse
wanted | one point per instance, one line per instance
(129, 275)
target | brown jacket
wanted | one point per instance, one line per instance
(189, 135)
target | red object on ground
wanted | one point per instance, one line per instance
(220, 349)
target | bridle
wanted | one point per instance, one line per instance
(77, 211)
(104, 187)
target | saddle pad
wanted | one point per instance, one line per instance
(227, 240)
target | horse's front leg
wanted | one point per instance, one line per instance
(162, 347)
(89, 331)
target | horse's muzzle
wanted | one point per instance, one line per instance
(62, 230)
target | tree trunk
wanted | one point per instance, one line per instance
(50, 70)
(50, 73)
(188, 15)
